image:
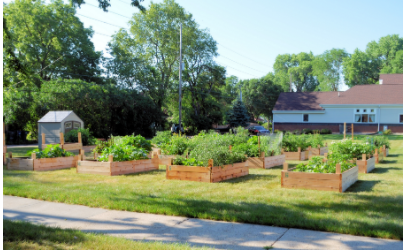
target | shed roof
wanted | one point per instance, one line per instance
(55, 116)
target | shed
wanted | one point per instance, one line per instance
(55, 122)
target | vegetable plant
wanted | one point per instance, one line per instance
(353, 149)
(316, 165)
(50, 151)
(86, 137)
(378, 141)
(291, 142)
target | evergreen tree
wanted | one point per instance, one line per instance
(238, 115)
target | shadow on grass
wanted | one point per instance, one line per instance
(384, 170)
(388, 161)
(362, 186)
(250, 177)
(146, 172)
(393, 155)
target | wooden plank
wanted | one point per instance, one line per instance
(326, 185)
(371, 164)
(93, 164)
(20, 164)
(255, 162)
(349, 177)
(291, 155)
(195, 169)
(72, 146)
(315, 176)
(274, 161)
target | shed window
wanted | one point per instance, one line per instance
(401, 118)
(68, 125)
(305, 117)
(76, 125)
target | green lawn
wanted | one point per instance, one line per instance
(373, 206)
(24, 235)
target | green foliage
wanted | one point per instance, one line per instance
(271, 144)
(221, 155)
(387, 132)
(348, 147)
(267, 125)
(49, 36)
(187, 162)
(380, 57)
(162, 137)
(307, 131)
(101, 145)
(316, 165)
(86, 137)
(291, 142)
(378, 141)
(297, 132)
(50, 151)
(177, 145)
(237, 115)
(126, 148)
(316, 140)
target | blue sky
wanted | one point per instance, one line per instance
(250, 34)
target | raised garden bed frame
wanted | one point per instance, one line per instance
(366, 164)
(112, 168)
(299, 155)
(209, 174)
(337, 182)
(265, 162)
(44, 164)
(318, 150)
(63, 145)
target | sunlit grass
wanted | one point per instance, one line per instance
(24, 235)
(373, 206)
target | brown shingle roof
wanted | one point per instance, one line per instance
(392, 79)
(288, 101)
(390, 92)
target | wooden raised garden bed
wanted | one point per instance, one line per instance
(318, 150)
(378, 155)
(111, 168)
(63, 145)
(44, 164)
(366, 165)
(337, 182)
(209, 174)
(299, 155)
(385, 151)
(265, 162)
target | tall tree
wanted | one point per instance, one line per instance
(297, 69)
(237, 115)
(328, 69)
(105, 4)
(50, 41)
(384, 56)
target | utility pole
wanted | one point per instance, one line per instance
(180, 87)
(290, 82)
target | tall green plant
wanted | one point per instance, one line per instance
(51, 151)
(353, 149)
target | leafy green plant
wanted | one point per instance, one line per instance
(123, 153)
(50, 151)
(348, 147)
(315, 140)
(187, 162)
(162, 137)
(291, 143)
(101, 145)
(297, 132)
(178, 145)
(221, 155)
(307, 131)
(316, 165)
(137, 141)
(378, 141)
(86, 137)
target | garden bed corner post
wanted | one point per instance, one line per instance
(285, 169)
(110, 160)
(338, 172)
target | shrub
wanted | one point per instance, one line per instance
(177, 145)
(221, 155)
(378, 141)
(86, 137)
(307, 131)
(325, 131)
(316, 131)
(387, 132)
(268, 125)
(51, 151)
(297, 132)
(277, 131)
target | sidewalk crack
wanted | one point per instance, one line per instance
(182, 221)
(279, 237)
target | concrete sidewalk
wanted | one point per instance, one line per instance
(150, 227)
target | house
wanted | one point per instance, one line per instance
(55, 122)
(370, 108)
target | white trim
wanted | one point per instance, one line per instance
(359, 105)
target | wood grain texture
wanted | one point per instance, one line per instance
(365, 166)
(20, 164)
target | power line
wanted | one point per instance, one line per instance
(101, 21)
(109, 11)
(241, 64)
(242, 55)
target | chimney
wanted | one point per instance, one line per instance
(380, 81)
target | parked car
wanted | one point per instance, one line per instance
(257, 130)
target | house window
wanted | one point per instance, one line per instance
(372, 110)
(364, 110)
(357, 110)
(365, 118)
(305, 117)
(401, 118)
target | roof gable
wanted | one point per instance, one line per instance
(55, 116)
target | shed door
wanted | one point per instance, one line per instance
(70, 125)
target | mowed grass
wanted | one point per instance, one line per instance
(373, 206)
(26, 236)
